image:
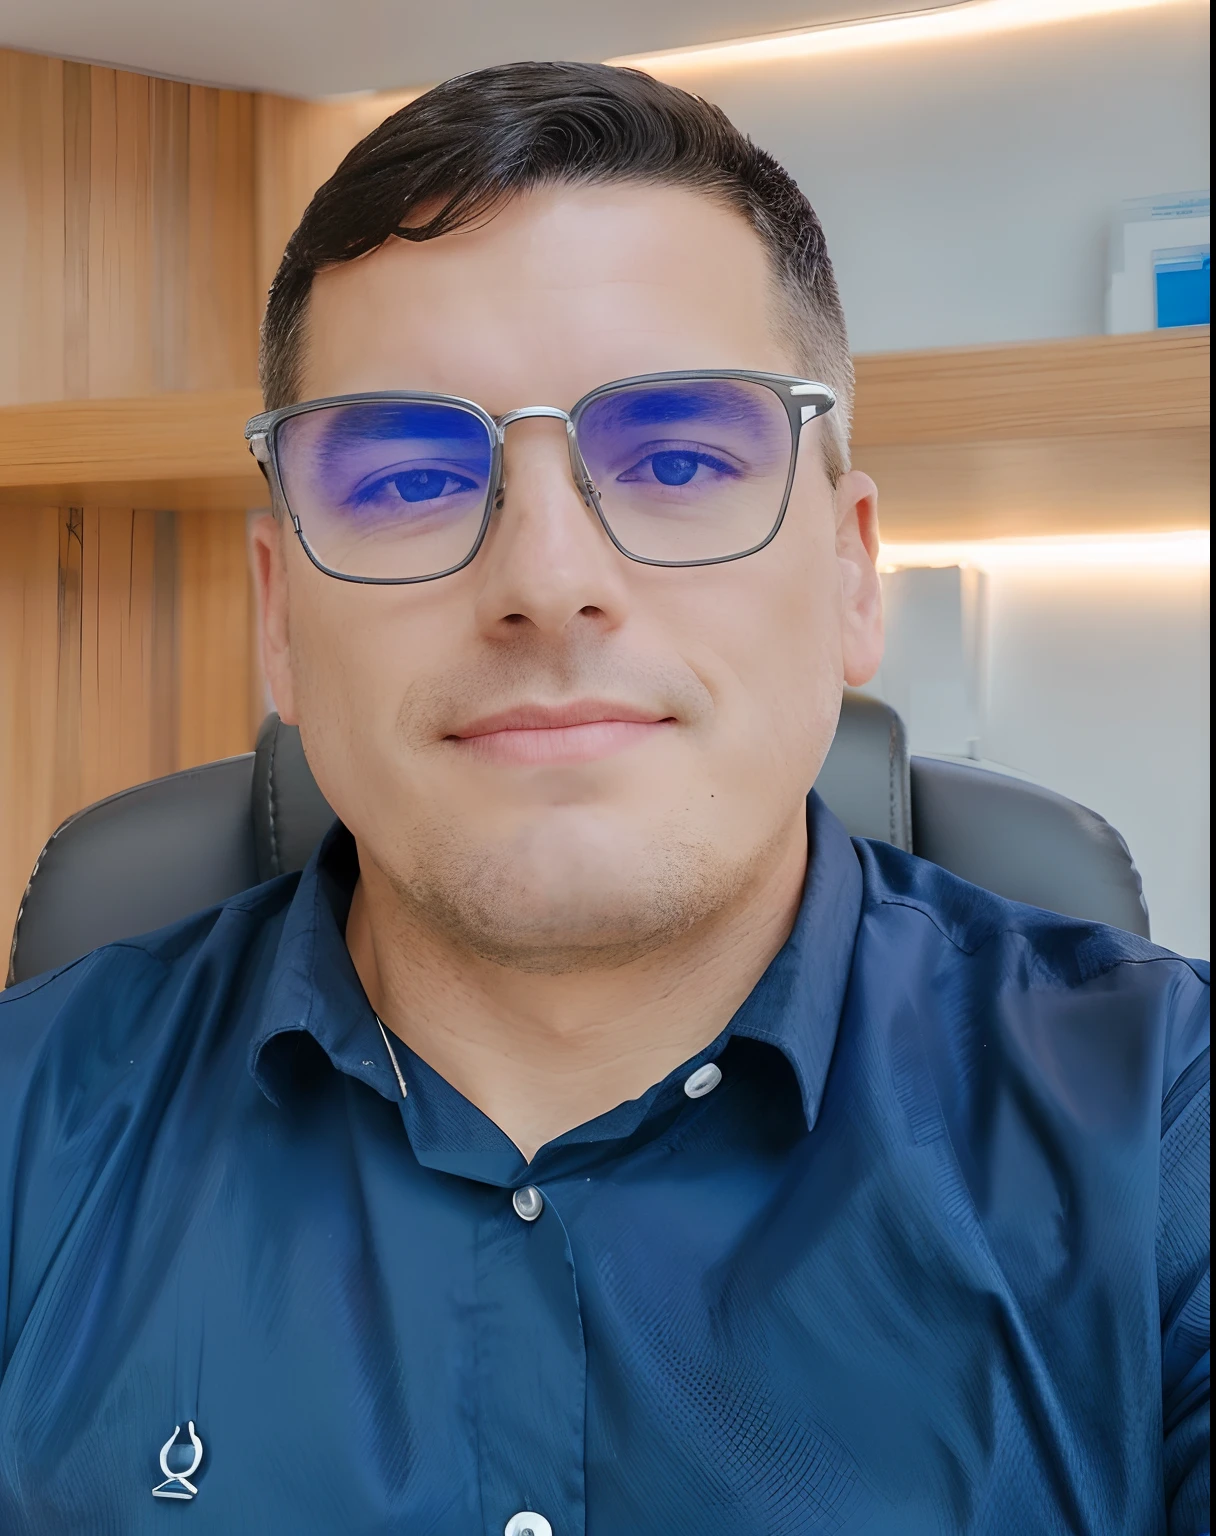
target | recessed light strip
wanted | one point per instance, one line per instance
(1190, 549)
(948, 23)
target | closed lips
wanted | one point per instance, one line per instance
(559, 735)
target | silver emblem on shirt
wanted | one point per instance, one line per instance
(177, 1485)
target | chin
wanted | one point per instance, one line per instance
(571, 893)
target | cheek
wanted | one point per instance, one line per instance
(769, 650)
(782, 612)
(770, 653)
(335, 627)
(353, 657)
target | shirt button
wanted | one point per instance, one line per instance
(528, 1203)
(704, 1080)
(528, 1523)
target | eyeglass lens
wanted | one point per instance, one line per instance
(689, 469)
(685, 470)
(387, 489)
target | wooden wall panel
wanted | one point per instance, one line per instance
(144, 220)
(120, 349)
(127, 268)
(217, 688)
(127, 247)
(77, 202)
(125, 652)
(222, 273)
(172, 276)
(116, 648)
(32, 197)
(29, 631)
(299, 145)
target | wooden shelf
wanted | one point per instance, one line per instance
(184, 451)
(1093, 386)
(1101, 434)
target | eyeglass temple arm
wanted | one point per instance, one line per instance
(260, 448)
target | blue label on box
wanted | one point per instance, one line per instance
(1183, 281)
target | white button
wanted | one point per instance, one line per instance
(528, 1203)
(704, 1080)
(528, 1523)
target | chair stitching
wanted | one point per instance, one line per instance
(25, 896)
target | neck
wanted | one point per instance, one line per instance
(540, 1054)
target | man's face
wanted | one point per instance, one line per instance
(718, 686)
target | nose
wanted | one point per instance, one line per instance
(547, 564)
(578, 468)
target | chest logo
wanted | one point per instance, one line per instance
(177, 1485)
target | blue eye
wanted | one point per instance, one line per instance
(429, 487)
(677, 466)
(673, 468)
(429, 484)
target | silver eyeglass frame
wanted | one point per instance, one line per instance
(804, 400)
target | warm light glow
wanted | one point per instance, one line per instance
(964, 20)
(1126, 551)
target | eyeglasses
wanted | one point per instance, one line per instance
(680, 468)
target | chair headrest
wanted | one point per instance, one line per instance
(134, 861)
(864, 781)
(290, 814)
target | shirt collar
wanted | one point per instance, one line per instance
(314, 995)
(797, 1003)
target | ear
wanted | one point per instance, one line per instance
(268, 557)
(857, 554)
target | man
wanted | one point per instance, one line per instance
(592, 1139)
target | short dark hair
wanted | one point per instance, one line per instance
(474, 142)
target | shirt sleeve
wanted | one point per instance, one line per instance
(1183, 1271)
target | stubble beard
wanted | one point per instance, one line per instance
(552, 904)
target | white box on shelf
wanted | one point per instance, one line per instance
(1148, 234)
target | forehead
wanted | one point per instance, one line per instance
(565, 288)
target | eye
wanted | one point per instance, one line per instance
(678, 466)
(429, 484)
(422, 485)
(673, 468)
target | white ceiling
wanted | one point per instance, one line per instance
(328, 47)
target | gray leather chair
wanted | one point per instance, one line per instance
(157, 852)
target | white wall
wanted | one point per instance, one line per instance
(1092, 681)
(967, 188)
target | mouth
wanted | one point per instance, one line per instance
(550, 736)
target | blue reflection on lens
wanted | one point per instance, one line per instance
(705, 435)
(687, 470)
(375, 458)
(711, 400)
(399, 420)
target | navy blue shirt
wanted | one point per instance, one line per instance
(930, 1258)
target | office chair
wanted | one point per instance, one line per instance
(155, 853)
